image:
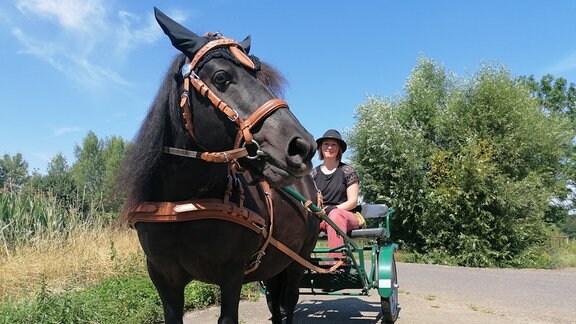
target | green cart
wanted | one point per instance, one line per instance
(369, 264)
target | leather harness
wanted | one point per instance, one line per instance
(215, 208)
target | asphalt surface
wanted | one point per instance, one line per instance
(439, 294)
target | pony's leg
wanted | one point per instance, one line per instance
(275, 288)
(291, 291)
(171, 291)
(230, 296)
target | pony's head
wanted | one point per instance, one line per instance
(229, 103)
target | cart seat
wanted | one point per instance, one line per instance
(374, 210)
(369, 233)
(367, 211)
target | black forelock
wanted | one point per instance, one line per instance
(225, 53)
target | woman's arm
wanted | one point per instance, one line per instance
(352, 194)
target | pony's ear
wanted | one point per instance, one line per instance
(183, 39)
(246, 44)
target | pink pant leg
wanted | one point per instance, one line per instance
(346, 221)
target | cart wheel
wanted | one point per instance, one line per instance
(390, 307)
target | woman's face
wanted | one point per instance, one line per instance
(330, 148)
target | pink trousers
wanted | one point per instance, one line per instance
(346, 221)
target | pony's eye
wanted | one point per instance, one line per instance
(221, 79)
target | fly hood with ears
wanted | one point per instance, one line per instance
(194, 46)
(196, 49)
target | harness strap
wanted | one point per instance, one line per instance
(185, 106)
(262, 112)
(198, 209)
(235, 48)
(205, 91)
(301, 260)
(190, 76)
(215, 157)
(158, 212)
(269, 204)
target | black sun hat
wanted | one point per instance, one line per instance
(334, 135)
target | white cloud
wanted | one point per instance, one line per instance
(70, 14)
(76, 67)
(65, 130)
(132, 32)
(81, 31)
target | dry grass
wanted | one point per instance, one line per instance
(86, 257)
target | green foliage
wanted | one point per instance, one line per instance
(568, 226)
(471, 165)
(124, 300)
(201, 295)
(59, 181)
(89, 169)
(557, 98)
(13, 171)
(128, 299)
(94, 172)
(554, 95)
(27, 215)
(114, 151)
(87, 188)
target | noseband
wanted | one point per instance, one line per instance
(250, 148)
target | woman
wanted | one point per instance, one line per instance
(339, 185)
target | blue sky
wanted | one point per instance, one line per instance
(72, 66)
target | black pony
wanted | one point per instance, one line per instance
(199, 176)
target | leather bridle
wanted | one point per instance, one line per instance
(244, 144)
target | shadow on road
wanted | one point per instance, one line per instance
(337, 310)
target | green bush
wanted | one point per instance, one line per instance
(470, 164)
(568, 226)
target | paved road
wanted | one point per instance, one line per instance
(439, 294)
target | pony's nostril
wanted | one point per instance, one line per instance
(298, 147)
(299, 152)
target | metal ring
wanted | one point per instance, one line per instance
(259, 152)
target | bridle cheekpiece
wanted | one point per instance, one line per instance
(244, 144)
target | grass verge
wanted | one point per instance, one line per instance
(93, 276)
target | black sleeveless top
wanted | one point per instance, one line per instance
(333, 186)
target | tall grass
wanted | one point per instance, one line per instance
(84, 258)
(28, 216)
(61, 247)
(72, 264)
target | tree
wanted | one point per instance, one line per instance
(13, 171)
(89, 168)
(554, 95)
(113, 153)
(95, 170)
(471, 164)
(557, 97)
(59, 181)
